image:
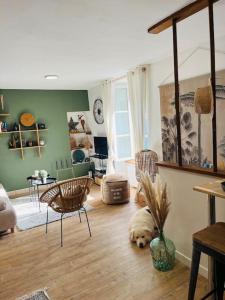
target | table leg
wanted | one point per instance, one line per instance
(38, 198)
(212, 210)
(211, 221)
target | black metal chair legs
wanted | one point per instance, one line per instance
(79, 216)
(46, 225)
(87, 221)
(219, 278)
(61, 230)
(194, 273)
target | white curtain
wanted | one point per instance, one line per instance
(138, 89)
(108, 120)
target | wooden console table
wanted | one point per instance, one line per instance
(213, 190)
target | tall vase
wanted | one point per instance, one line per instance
(163, 253)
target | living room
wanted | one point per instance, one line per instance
(109, 111)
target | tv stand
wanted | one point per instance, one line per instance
(99, 172)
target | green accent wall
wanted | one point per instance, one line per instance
(47, 106)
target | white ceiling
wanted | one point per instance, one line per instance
(86, 41)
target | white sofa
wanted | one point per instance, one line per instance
(7, 215)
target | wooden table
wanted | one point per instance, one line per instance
(213, 190)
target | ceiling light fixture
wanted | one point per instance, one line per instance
(51, 77)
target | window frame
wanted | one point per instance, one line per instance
(122, 84)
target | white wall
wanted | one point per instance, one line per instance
(93, 94)
(189, 209)
(97, 129)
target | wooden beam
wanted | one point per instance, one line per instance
(180, 15)
(177, 93)
(213, 82)
(191, 169)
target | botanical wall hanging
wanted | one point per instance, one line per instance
(196, 129)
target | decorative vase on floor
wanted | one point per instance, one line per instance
(162, 249)
(163, 253)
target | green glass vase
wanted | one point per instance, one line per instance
(163, 253)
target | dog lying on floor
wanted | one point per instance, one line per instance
(142, 228)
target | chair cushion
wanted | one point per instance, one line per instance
(2, 205)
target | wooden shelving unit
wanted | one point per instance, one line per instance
(4, 115)
(21, 132)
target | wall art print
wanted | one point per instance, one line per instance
(80, 135)
(196, 129)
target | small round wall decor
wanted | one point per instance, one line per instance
(27, 119)
(98, 111)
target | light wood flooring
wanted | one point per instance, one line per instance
(104, 267)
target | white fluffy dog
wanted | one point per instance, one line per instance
(142, 228)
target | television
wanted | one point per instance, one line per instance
(101, 146)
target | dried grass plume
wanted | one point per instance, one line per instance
(156, 199)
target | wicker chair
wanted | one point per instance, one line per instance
(67, 196)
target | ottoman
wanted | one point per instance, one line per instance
(115, 189)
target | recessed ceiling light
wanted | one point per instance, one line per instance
(51, 77)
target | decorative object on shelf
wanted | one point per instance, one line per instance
(14, 142)
(98, 111)
(4, 126)
(30, 143)
(2, 107)
(23, 142)
(41, 142)
(41, 126)
(27, 120)
(2, 102)
(162, 249)
(78, 156)
(15, 127)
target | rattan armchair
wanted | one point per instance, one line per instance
(66, 197)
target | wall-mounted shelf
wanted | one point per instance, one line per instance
(4, 115)
(27, 147)
(20, 132)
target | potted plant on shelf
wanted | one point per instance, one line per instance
(162, 249)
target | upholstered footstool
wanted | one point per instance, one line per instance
(115, 189)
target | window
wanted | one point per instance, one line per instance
(122, 122)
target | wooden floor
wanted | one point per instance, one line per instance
(104, 267)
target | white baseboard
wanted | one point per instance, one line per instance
(187, 261)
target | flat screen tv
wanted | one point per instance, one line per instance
(101, 146)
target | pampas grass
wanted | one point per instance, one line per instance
(156, 199)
